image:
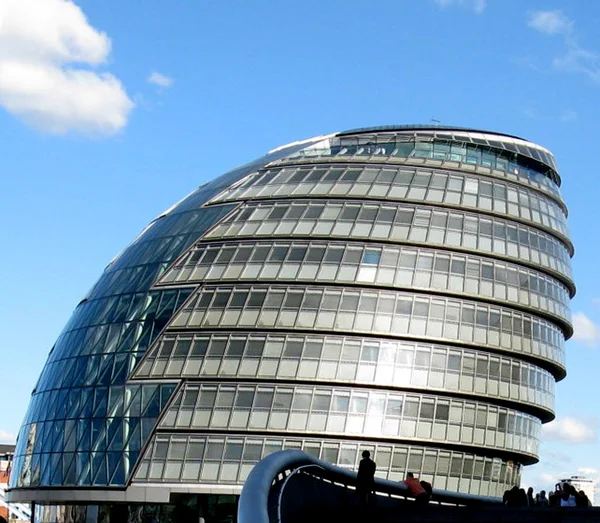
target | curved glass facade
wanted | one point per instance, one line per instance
(403, 290)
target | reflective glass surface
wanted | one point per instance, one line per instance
(84, 426)
(399, 314)
(404, 184)
(227, 459)
(342, 411)
(401, 223)
(186, 508)
(373, 264)
(389, 146)
(345, 359)
(466, 135)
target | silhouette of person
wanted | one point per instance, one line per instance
(530, 500)
(522, 498)
(542, 500)
(582, 500)
(365, 477)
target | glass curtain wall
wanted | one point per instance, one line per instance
(403, 290)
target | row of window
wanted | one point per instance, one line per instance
(398, 223)
(511, 144)
(83, 420)
(371, 311)
(344, 359)
(60, 469)
(383, 265)
(175, 226)
(136, 268)
(460, 155)
(405, 184)
(344, 411)
(123, 308)
(101, 512)
(104, 361)
(94, 355)
(508, 143)
(228, 460)
(105, 354)
(145, 400)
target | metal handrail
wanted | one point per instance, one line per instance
(254, 508)
(281, 490)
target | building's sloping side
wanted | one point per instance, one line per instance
(86, 424)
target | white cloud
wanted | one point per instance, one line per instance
(585, 330)
(47, 52)
(7, 437)
(477, 6)
(548, 479)
(550, 22)
(160, 79)
(574, 58)
(570, 430)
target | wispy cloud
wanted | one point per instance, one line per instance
(585, 330)
(160, 80)
(579, 60)
(574, 58)
(7, 437)
(570, 430)
(550, 22)
(528, 62)
(569, 115)
(49, 55)
(558, 457)
(478, 6)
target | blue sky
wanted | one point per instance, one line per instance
(111, 111)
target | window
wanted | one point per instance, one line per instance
(371, 257)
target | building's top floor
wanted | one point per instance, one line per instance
(429, 128)
(6, 456)
(460, 144)
(579, 479)
(6, 449)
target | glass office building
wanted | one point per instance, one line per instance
(401, 289)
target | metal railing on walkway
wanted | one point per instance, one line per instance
(19, 510)
(263, 493)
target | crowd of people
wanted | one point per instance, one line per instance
(565, 495)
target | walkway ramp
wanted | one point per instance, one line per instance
(293, 487)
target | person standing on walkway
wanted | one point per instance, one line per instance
(530, 500)
(542, 500)
(365, 477)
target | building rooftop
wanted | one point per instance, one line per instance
(426, 127)
(6, 448)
